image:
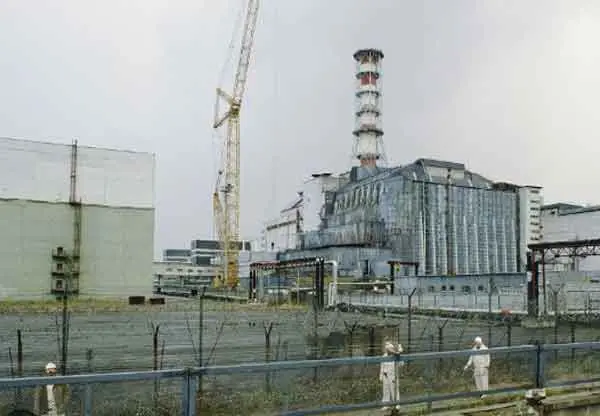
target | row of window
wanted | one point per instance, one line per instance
(360, 196)
(451, 288)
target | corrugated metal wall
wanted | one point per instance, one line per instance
(446, 229)
(450, 229)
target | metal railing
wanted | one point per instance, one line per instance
(537, 358)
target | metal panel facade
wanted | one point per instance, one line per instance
(34, 171)
(41, 172)
(115, 178)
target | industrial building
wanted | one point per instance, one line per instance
(570, 222)
(181, 278)
(437, 214)
(207, 253)
(75, 218)
(176, 255)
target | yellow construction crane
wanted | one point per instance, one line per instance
(226, 196)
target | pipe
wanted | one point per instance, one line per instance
(333, 289)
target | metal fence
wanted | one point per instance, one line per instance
(309, 386)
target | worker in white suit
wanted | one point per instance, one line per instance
(481, 365)
(388, 374)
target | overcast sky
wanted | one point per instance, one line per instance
(508, 87)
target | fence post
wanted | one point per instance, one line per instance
(188, 394)
(539, 365)
(87, 402)
(19, 365)
(410, 296)
(572, 326)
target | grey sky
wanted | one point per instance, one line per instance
(509, 87)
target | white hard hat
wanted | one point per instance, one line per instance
(478, 340)
(50, 366)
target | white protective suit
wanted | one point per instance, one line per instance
(481, 365)
(388, 374)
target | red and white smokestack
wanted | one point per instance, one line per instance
(368, 145)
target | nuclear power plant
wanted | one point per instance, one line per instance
(435, 214)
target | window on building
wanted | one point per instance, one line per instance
(59, 284)
(451, 288)
(444, 288)
(59, 267)
(466, 289)
(431, 289)
(480, 288)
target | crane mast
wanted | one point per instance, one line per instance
(226, 196)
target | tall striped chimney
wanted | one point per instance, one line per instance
(368, 146)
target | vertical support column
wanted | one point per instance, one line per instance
(252, 283)
(75, 202)
(319, 284)
(392, 276)
(532, 284)
(316, 287)
(322, 294)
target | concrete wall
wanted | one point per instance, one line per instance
(116, 247)
(461, 283)
(117, 250)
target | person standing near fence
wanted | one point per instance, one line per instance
(51, 399)
(388, 374)
(481, 365)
